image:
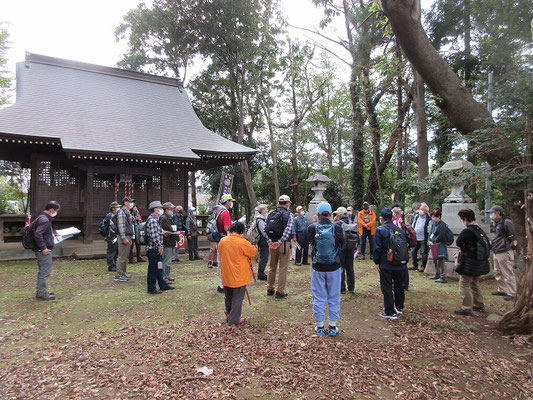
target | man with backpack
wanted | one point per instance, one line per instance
(42, 236)
(504, 246)
(299, 231)
(391, 255)
(350, 232)
(279, 233)
(256, 235)
(472, 262)
(126, 235)
(108, 229)
(326, 239)
(154, 250)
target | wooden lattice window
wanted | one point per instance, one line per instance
(175, 181)
(103, 181)
(54, 174)
(156, 182)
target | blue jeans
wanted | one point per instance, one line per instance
(154, 273)
(326, 288)
(367, 234)
(423, 247)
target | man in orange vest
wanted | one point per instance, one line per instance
(235, 269)
(367, 228)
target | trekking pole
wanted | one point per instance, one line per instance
(252, 269)
(248, 295)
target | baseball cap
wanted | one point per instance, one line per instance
(226, 197)
(299, 208)
(191, 209)
(366, 203)
(114, 205)
(341, 211)
(284, 198)
(386, 213)
(495, 209)
(323, 207)
(350, 208)
(129, 199)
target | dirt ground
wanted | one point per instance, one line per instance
(107, 340)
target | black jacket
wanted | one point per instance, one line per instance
(468, 264)
(311, 232)
(43, 232)
(166, 224)
(504, 235)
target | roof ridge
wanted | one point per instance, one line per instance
(101, 69)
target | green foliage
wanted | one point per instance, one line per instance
(5, 78)
(9, 191)
(335, 195)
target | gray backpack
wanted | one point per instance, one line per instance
(351, 237)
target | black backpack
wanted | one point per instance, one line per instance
(276, 224)
(28, 236)
(398, 253)
(483, 245)
(103, 227)
(140, 234)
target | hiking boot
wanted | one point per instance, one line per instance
(262, 277)
(464, 312)
(388, 316)
(127, 276)
(413, 268)
(112, 269)
(298, 264)
(362, 258)
(241, 321)
(498, 293)
(209, 265)
(121, 278)
(46, 296)
(170, 279)
(270, 292)
(132, 260)
(156, 291)
(140, 259)
(399, 311)
(479, 309)
(509, 297)
(333, 331)
(434, 277)
(168, 287)
(220, 289)
(320, 331)
(440, 280)
(421, 270)
(281, 295)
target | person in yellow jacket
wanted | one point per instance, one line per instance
(367, 228)
(236, 270)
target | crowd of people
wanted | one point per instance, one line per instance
(336, 238)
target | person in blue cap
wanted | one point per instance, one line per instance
(326, 241)
(391, 267)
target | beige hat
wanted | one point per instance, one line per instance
(299, 208)
(168, 205)
(341, 211)
(350, 208)
(284, 198)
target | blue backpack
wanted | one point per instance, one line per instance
(325, 250)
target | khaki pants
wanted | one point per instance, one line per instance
(281, 256)
(123, 255)
(470, 292)
(504, 272)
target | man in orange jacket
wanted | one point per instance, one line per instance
(367, 228)
(235, 269)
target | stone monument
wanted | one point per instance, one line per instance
(456, 200)
(319, 182)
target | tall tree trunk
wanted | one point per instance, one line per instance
(458, 104)
(274, 154)
(294, 138)
(341, 159)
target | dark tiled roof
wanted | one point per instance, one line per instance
(91, 108)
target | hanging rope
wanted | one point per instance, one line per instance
(116, 188)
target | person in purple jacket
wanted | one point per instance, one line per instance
(43, 243)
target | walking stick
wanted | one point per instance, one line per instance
(248, 295)
(253, 275)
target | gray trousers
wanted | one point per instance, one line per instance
(112, 253)
(168, 253)
(123, 255)
(440, 268)
(45, 268)
(233, 300)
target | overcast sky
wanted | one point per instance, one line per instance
(83, 30)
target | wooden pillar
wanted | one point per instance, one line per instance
(164, 185)
(34, 165)
(88, 219)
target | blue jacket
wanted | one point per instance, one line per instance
(300, 224)
(381, 246)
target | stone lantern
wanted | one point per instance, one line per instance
(319, 182)
(456, 201)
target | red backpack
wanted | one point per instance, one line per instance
(410, 233)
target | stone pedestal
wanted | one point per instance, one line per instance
(449, 216)
(319, 186)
